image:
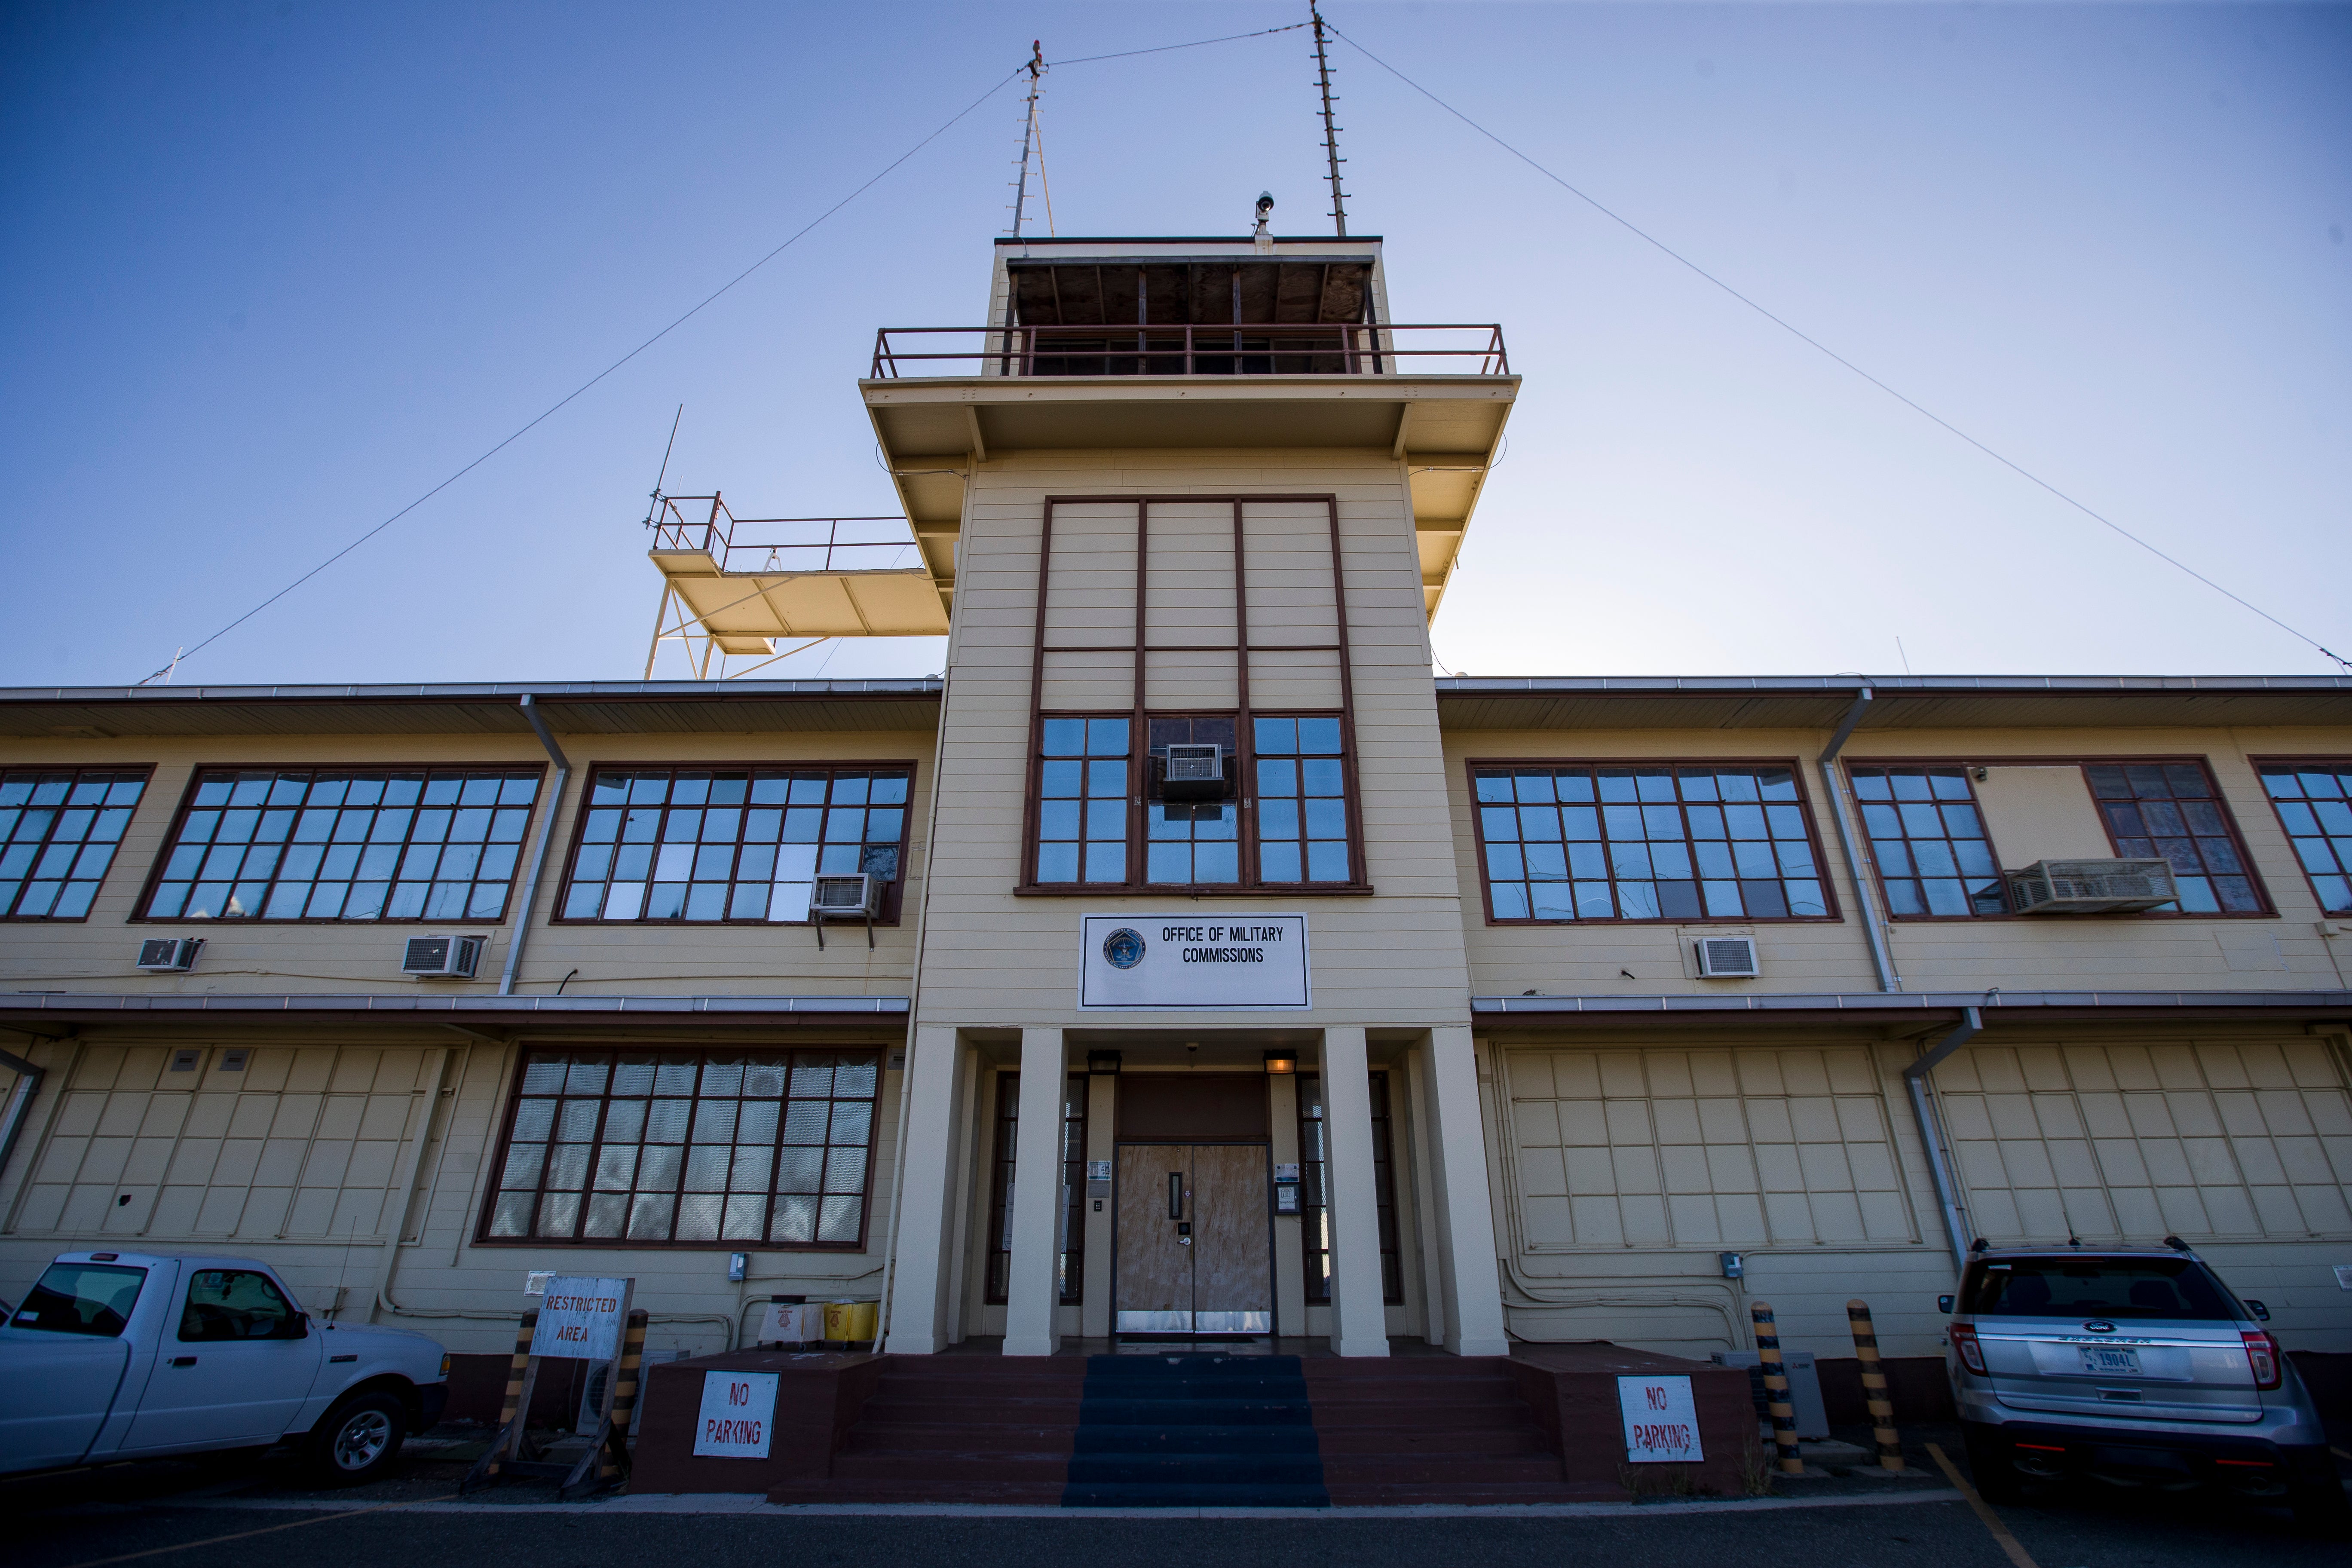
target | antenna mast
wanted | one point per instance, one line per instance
(1036, 69)
(1330, 132)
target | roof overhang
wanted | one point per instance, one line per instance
(1897, 702)
(534, 1013)
(1916, 1008)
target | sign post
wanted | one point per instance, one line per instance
(585, 1318)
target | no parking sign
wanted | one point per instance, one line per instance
(1661, 1421)
(738, 1409)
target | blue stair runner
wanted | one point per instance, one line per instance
(1192, 1431)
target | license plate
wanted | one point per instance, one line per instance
(2110, 1362)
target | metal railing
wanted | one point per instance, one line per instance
(1263, 349)
(778, 543)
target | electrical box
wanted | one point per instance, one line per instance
(1804, 1387)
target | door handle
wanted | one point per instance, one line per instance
(1175, 1194)
(184, 1361)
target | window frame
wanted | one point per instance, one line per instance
(1473, 765)
(495, 1160)
(1025, 882)
(201, 772)
(146, 776)
(2082, 762)
(893, 891)
(996, 1277)
(1315, 1196)
(1967, 776)
(2337, 764)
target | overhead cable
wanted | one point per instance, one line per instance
(2018, 468)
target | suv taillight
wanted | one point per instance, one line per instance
(1964, 1339)
(2262, 1354)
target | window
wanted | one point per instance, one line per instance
(1580, 842)
(234, 1304)
(59, 828)
(1192, 843)
(2170, 811)
(681, 1148)
(734, 844)
(1302, 800)
(277, 844)
(81, 1299)
(2313, 800)
(2079, 1287)
(1070, 1255)
(1314, 1204)
(1928, 841)
(1082, 801)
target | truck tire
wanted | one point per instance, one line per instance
(359, 1440)
(1991, 1467)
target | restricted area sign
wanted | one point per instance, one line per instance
(738, 1410)
(581, 1317)
(1661, 1422)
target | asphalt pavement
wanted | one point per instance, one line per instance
(241, 1512)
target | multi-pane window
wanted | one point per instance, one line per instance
(733, 844)
(1190, 842)
(1929, 840)
(1082, 801)
(685, 1148)
(2314, 806)
(59, 829)
(1646, 842)
(397, 844)
(1302, 800)
(1314, 1200)
(1069, 1215)
(2170, 811)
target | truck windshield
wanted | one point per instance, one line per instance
(81, 1299)
(2078, 1286)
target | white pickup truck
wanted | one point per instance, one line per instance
(127, 1355)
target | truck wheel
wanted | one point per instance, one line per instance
(1991, 1467)
(359, 1440)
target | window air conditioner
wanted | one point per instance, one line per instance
(441, 957)
(170, 955)
(1194, 773)
(2091, 886)
(846, 898)
(1728, 958)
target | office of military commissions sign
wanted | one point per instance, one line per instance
(1196, 961)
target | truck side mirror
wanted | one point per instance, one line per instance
(298, 1327)
(2261, 1313)
(1943, 1304)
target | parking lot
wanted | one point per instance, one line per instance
(231, 1513)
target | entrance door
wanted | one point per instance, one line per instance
(1195, 1240)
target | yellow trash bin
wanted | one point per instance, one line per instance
(850, 1321)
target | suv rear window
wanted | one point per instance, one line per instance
(2075, 1287)
(81, 1299)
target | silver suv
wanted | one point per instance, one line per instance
(2134, 1367)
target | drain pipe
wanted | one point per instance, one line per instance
(1881, 958)
(538, 848)
(1931, 1131)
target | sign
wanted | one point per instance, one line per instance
(1192, 961)
(1661, 1422)
(1098, 1170)
(582, 1318)
(739, 1410)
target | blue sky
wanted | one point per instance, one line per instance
(274, 270)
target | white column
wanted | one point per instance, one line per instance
(919, 1284)
(1102, 1108)
(1289, 1267)
(1464, 1242)
(1359, 1319)
(1031, 1295)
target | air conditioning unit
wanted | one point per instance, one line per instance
(441, 957)
(845, 898)
(1728, 958)
(1194, 773)
(2091, 886)
(170, 955)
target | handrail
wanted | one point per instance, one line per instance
(1248, 348)
(718, 533)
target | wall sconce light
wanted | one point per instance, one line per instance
(1282, 1063)
(1103, 1063)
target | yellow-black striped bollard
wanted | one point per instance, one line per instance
(1873, 1386)
(1782, 1409)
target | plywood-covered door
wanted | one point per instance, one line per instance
(1233, 1250)
(1152, 1280)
